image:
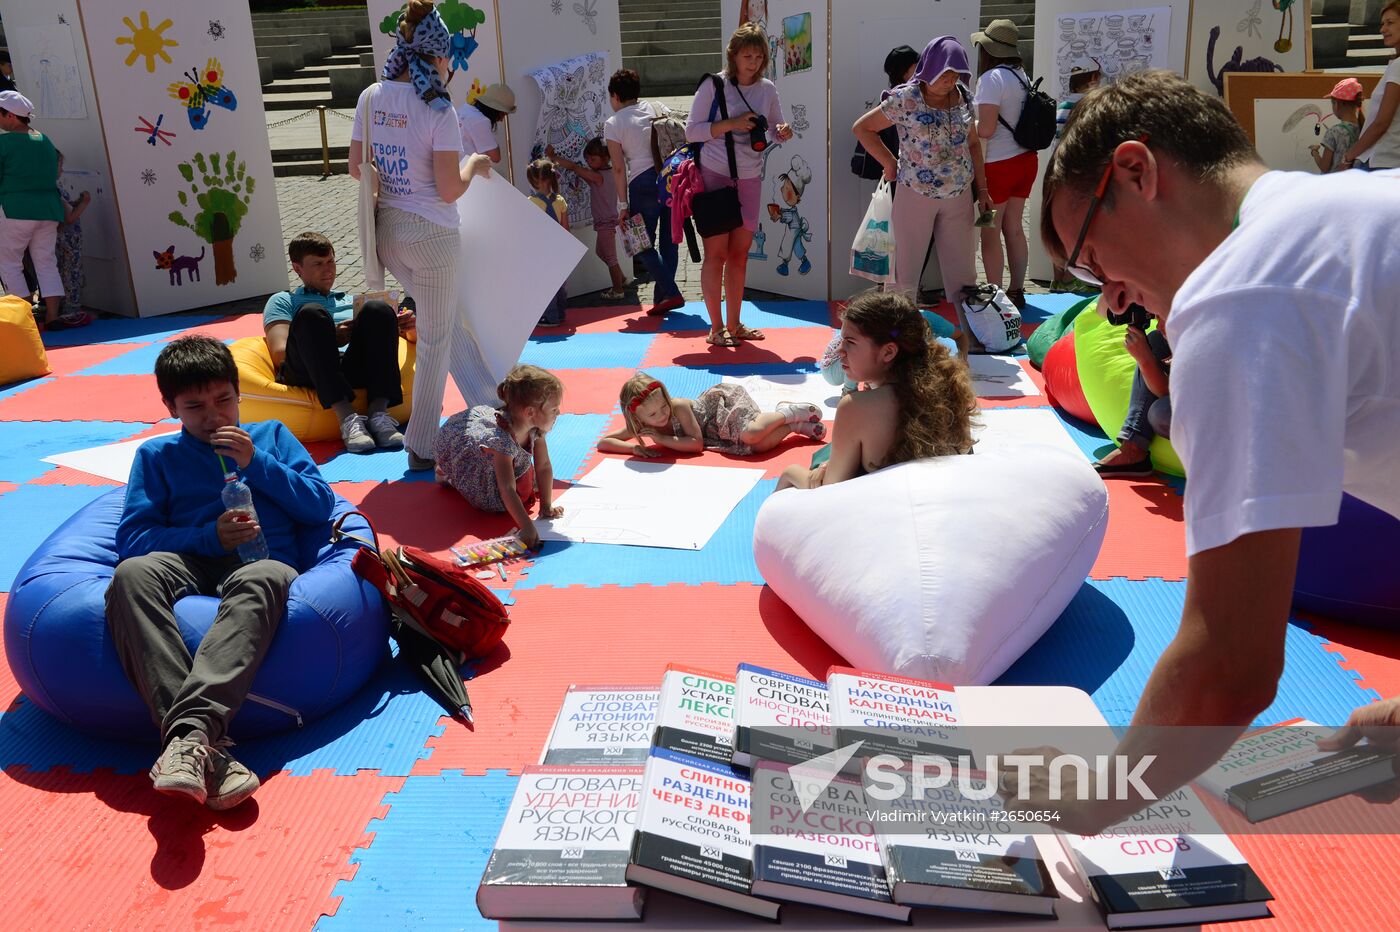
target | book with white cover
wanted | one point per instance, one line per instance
(895, 715)
(1170, 864)
(602, 726)
(779, 717)
(563, 850)
(696, 713)
(693, 833)
(1279, 769)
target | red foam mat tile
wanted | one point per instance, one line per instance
(105, 851)
(591, 391)
(88, 398)
(65, 360)
(233, 327)
(1372, 653)
(614, 318)
(7, 487)
(795, 450)
(423, 514)
(1146, 535)
(633, 633)
(782, 344)
(1323, 883)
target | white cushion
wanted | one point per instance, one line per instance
(946, 569)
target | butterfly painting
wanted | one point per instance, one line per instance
(202, 90)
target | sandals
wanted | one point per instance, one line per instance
(1141, 469)
(613, 294)
(1018, 298)
(814, 429)
(69, 322)
(797, 413)
(721, 337)
(748, 333)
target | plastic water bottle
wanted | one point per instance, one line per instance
(238, 497)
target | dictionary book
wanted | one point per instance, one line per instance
(779, 717)
(693, 833)
(696, 714)
(895, 715)
(1279, 769)
(1170, 864)
(825, 853)
(945, 846)
(603, 726)
(565, 845)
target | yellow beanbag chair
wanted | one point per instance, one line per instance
(22, 353)
(1106, 375)
(266, 399)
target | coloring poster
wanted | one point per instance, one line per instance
(1253, 36)
(1122, 42)
(1285, 129)
(575, 104)
(48, 67)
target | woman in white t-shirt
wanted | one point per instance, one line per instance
(1011, 170)
(1379, 144)
(748, 96)
(418, 153)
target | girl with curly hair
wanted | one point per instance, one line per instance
(918, 400)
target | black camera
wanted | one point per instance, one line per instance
(1135, 316)
(758, 136)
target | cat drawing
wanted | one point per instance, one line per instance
(167, 260)
(1254, 65)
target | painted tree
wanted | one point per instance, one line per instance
(222, 195)
(461, 19)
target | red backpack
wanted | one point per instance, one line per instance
(439, 598)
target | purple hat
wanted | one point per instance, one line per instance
(942, 54)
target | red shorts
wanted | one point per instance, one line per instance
(1014, 177)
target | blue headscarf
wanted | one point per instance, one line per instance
(430, 40)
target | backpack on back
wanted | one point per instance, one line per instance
(1035, 130)
(667, 135)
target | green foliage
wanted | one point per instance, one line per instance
(388, 24)
(227, 193)
(459, 17)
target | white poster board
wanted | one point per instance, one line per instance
(181, 104)
(1247, 35)
(1047, 44)
(49, 62)
(643, 504)
(110, 461)
(862, 34)
(1000, 377)
(1122, 42)
(789, 255)
(503, 288)
(768, 391)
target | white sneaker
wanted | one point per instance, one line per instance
(385, 430)
(356, 437)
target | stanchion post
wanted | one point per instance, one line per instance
(325, 143)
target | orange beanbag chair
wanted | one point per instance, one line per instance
(266, 399)
(22, 353)
(1061, 374)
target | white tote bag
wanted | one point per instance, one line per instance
(872, 251)
(369, 199)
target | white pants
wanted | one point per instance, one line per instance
(40, 238)
(949, 223)
(425, 258)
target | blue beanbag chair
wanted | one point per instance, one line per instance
(334, 635)
(1347, 570)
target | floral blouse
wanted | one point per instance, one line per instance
(935, 157)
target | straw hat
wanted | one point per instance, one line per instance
(1000, 39)
(498, 97)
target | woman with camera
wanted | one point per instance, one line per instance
(726, 213)
(939, 168)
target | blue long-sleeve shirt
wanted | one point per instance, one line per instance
(173, 497)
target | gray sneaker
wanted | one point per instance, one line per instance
(418, 463)
(182, 767)
(356, 437)
(385, 430)
(230, 783)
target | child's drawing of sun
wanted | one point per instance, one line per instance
(146, 41)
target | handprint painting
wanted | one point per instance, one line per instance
(221, 189)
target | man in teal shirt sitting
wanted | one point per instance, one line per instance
(318, 340)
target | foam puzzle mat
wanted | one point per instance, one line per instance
(381, 815)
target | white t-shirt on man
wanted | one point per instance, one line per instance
(477, 135)
(630, 128)
(1000, 88)
(404, 134)
(1386, 152)
(1286, 359)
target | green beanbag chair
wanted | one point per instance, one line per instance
(1049, 333)
(1106, 375)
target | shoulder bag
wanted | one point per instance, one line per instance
(718, 212)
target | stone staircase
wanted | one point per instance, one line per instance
(1346, 34)
(671, 43)
(305, 59)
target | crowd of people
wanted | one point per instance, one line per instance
(1150, 152)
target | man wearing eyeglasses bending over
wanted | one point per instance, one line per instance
(1280, 294)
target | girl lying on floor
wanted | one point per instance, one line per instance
(722, 418)
(498, 459)
(918, 400)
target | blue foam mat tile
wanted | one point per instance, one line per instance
(588, 350)
(1041, 307)
(689, 381)
(726, 559)
(30, 514)
(138, 361)
(572, 440)
(422, 869)
(32, 738)
(379, 466)
(128, 330)
(1111, 635)
(1087, 437)
(757, 314)
(24, 444)
(20, 387)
